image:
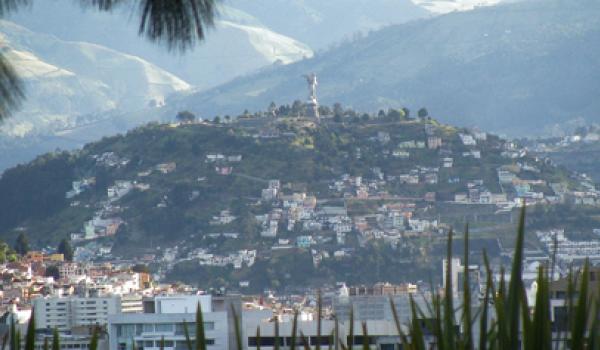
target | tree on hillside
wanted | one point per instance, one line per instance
(338, 109)
(52, 271)
(406, 112)
(140, 268)
(65, 248)
(177, 23)
(6, 254)
(22, 244)
(423, 113)
(395, 114)
(185, 117)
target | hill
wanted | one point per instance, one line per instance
(512, 68)
(265, 198)
(68, 83)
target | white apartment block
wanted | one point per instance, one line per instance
(166, 317)
(65, 313)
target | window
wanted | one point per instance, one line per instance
(358, 340)
(299, 342)
(210, 341)
(264, 341)
(148, 328)
(324, 340)
(164, 328)
(180, 329)
(209, 326)
(125, 330)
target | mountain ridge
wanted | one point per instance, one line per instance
(461, 65)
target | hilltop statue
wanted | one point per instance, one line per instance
(312, 103)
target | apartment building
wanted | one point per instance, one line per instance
(66, 313)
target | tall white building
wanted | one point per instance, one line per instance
(165, 317)
(65, 313)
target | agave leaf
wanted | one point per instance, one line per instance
(331, 340)
(416, 332)
(258, 338)
(466, 316)
(403, 338)
(483, 318)
(594, 337)
(305, 341)
(30, 335)
(18, 340)
(350, 340)
(579, 326)
(13, 334)
(294, 330)
(319, 313)
(200, 336)
(238, 331)
(94, 340)
(365, 336)
(336, 332)
(515, 285)
(5, 340)
(448, 338)
(186, 332)
(277, 340)
(527, 337)
(55, 340)
(542, 332)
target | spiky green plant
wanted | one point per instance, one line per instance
(200, 336)
(319, 315)
(365, 337)
(30, 335)
(515, 325)
(305, 341)
(55, 340)
(294, 331)
(277, 339)
(257, 337)
(94, 340)
(237, 328)
(4, 340)
(13, 334)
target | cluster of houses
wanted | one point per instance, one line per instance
(39, 274)
(569, 251)
(239, 259)
(223, 162)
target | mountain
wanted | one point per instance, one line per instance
(352, 192)
(321, 24)
(85, 78)
(68, 83)
(510, 68)
(445, 6)
(238, 44)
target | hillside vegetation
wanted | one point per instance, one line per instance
(179, 192)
